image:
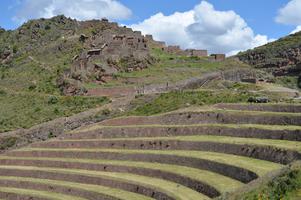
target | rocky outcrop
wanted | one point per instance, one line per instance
(282, 57)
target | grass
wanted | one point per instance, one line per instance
(288, 81)
(285, 187)
(26, 110)
(112, 192)
(234, 126)
(220, 182)
(171, 101)
(7, 142)
(169, 68)
(41, 194)
(176, 191)
(290, 145)
(260, 167)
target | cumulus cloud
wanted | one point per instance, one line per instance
(78, 9)
(203, 28)
(290, 14)
(298, 28)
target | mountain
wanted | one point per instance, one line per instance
(58, 54)
(281, 57)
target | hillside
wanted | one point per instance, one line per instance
(46, 59)
(281, 57)
(92, 110)
(57, 67)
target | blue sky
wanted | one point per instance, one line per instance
(257, 15)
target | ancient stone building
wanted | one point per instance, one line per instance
(109, 49)
(172, 49)
(196, 53)
(218, 57)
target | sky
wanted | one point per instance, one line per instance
(220, 26)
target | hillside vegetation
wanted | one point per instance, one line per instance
(281, 57)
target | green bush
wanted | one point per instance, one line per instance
(282, 187)
(8, 142)
(52, 100)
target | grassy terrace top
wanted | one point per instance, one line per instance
(174, 190)
(235, 126)
(260, 167)
(291, 145)
(41, 194)
(220, 182)
(120, 194)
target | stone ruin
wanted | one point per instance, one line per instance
(108, 50)
(196, 53)
(218, 57)
(172, 49)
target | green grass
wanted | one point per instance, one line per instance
(220, 182)
(41, 194)
(171, 101)
(170, 68)
(112, 192)
(234, 126)
(291, 145)
(288, 81)
(260, 167)
(176, 191)
(23, 110)
(285, 187)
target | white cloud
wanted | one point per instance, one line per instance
(298, 28)
(78, 9)
(203, 28)
(290, 14)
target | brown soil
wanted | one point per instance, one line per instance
(112, 92)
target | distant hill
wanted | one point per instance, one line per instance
(46, 55)
(281, 57)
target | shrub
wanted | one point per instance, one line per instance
(52, 100)
(47, 27)
(8, 142)
(106, 112)
(51, 135)
(2, 93)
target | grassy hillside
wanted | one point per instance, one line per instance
(39, 52)
(23, 110)
(281, 57)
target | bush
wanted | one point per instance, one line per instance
(52, 100)
(51, 135)
(2, 93)
(106, 112)
(47, 27)
(7, 143)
